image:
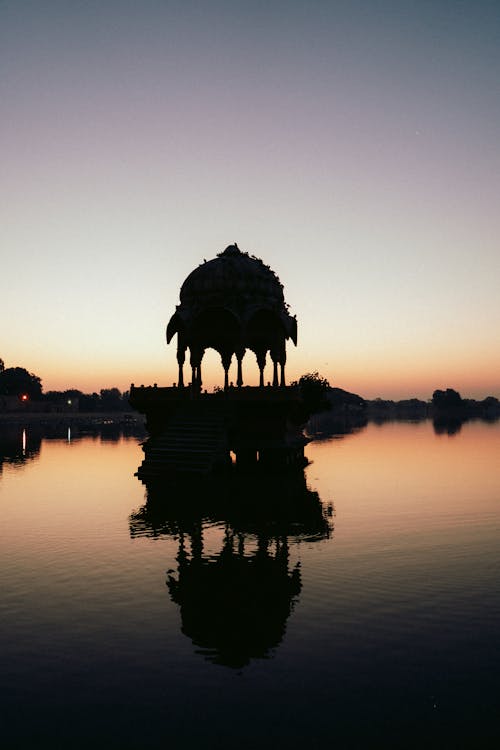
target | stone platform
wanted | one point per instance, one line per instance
(200, 433)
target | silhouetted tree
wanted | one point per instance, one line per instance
(313, 389)
(490, 402)
(62, 397)
(15, 381)
(111, 399)
(2, 365)
(72, 393)
(490, 408)
(89, 402)
(53, 396)
(448, 400)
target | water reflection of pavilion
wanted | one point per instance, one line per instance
(235, 600)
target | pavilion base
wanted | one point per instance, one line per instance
(244, 429)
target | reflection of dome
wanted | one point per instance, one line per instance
(235, 606)
(232, 303)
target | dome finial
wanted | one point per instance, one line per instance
(232, 250)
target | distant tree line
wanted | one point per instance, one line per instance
(444, 403)
(319, 398)
(108, 399)
(17, 381)
(317, 394)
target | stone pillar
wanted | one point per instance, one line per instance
(239, 355)
(261, 361)
(195, 360)
(181, 356)
(275, 373)
(282, 361)
(226, 358)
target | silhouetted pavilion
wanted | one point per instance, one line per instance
(232, 303)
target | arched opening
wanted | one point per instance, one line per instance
(265, 332)
(212, 378)
(219, 329)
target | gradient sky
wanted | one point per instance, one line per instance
(354, 146)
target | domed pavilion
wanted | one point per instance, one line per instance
(232, 303)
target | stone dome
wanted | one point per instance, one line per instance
(232, 273)
(232, 303)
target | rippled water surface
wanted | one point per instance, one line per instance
(355, 606)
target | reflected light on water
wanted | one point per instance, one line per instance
(408, 476)
(133, 609)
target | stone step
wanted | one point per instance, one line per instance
(194, 442)
(186, 436)
(203, 426)
(165, 444)
(175, 452)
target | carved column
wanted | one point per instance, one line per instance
(181, 357)
(239, 355)
(226, 363)
(275, 373)
(195, 359)
(261, 361)
(282, 365)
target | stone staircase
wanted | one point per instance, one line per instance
(195, 442)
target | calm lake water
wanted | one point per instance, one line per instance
(360, 607)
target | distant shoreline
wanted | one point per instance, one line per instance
(76, 418)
